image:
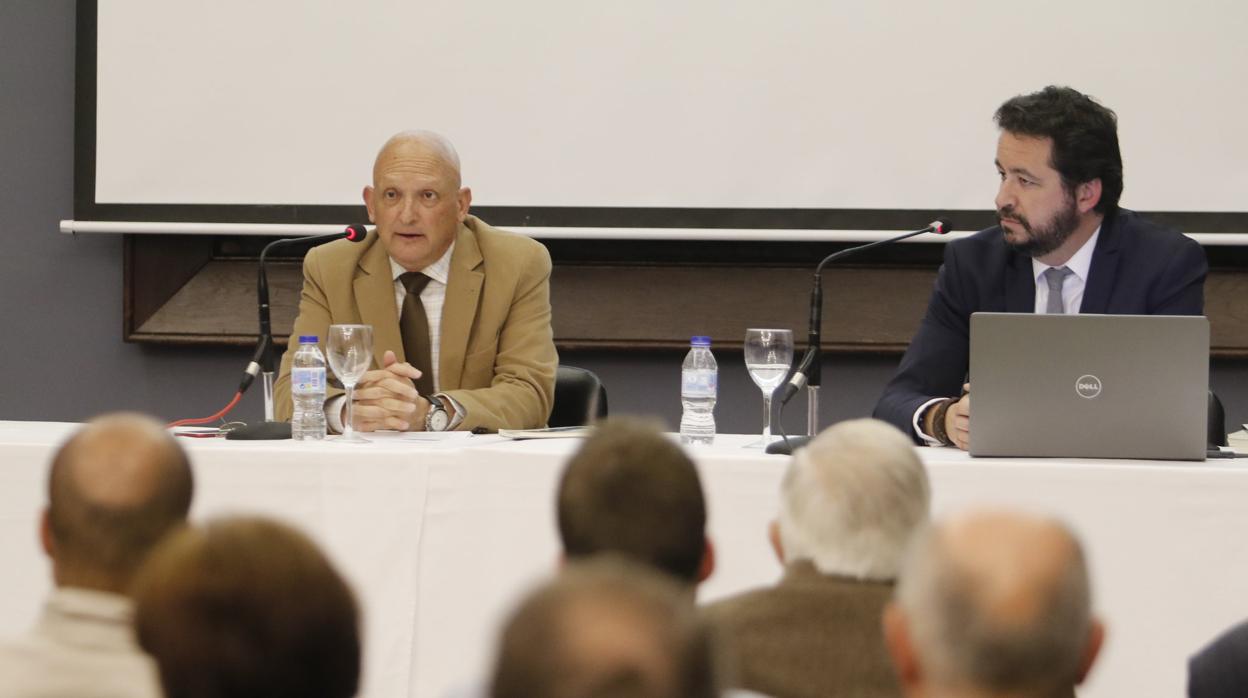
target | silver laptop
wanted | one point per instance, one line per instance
(1089, 386)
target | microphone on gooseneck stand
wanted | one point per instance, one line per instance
(809, 370)
(263, 361)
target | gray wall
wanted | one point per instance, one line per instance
(62, 357)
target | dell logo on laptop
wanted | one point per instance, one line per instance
(1088, 386)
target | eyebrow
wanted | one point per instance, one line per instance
(1018, 170)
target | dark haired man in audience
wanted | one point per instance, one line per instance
(849, 504)
(1062, 246)
(993, 604)
(244, 607)
(632, 491)
(1220, 670)
(115, 489)
(460, 310)
(606, 628)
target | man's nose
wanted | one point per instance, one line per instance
(1005, 196)
(410, 210)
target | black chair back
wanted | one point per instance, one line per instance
(580, 398)
(1217, 421)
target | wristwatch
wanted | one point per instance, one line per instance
(437, 418)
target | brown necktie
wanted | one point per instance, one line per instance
(414, 326)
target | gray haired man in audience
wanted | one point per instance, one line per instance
(115, 489)
(994, 604)
(850, 502)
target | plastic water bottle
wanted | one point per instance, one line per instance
(699, 386)
(307, 389)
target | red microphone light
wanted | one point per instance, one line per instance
(355, 233)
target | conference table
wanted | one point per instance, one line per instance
(440, 535)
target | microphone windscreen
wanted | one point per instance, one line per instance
(355, 233)
(942, 226)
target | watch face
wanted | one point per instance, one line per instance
(438, 420)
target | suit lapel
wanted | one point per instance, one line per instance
(1020, 284)
(1104, 269)
(463, 295)
(374, 297)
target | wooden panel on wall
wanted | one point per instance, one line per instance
(864, 309)
(867, 309)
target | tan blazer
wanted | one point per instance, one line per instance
(497, 357)
(811, 636)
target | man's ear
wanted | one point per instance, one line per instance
(46, 541)
(773, 535)
(1088, 195)
(464, 199)
(1096, 637)
(368, 202)
(707, 567)
(900, 647)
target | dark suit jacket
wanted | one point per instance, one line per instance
(1138, 268)
(497, 355)
(812, 635)
(1221, 669)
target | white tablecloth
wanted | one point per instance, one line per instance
(440, 539)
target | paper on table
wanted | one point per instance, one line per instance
(547, 433)
(437, 435)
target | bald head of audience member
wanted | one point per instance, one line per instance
(247, 607)
(851, 501)
(994, 604)
(114, 490)
(630, 490)
(606, 628)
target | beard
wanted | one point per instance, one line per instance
(1043, 239)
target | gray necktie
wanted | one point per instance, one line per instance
(1055, 276)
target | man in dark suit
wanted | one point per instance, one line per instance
(849, 505)
(1062, 246)
(1221, 668)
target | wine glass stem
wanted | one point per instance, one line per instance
(767, 416)
(348, 429)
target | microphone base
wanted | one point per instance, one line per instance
(261, 431)
(782, 448)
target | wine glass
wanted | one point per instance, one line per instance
(350, 351)
(768, 355)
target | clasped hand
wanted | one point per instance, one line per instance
(386, 398)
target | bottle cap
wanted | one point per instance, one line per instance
(700, 341)
(308, 339)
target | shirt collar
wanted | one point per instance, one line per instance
(1080, 263)
(439, 271)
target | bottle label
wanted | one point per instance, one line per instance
(699, 383)
(306, 381)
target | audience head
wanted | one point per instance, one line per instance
(1083, 133)
(606, 628)
(630, 490)
(247, 607)
(417, 199)
(851, 500)
(115, 488)
(993, 603)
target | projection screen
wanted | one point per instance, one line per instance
(590, 114)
